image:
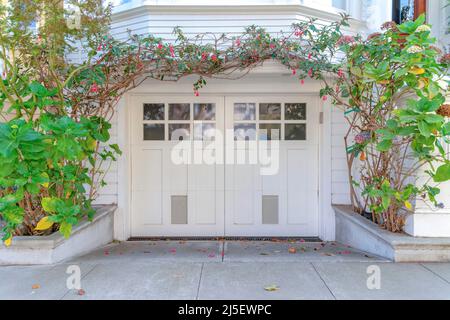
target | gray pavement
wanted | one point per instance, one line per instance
(228, 270)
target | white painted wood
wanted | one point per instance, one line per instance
(254, 84)
(156, 178)
(295, 183)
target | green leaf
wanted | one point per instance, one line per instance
(424, 129)
(442, 173)
(386, 201)
(65, 229)
(38, 89)
(384, 145)
(116, 148)
(50, 204)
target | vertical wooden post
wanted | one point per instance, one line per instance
(420, 6)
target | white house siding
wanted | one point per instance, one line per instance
(161, 20)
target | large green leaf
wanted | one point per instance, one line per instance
(442, 173)
(384, 145)
(65, 229)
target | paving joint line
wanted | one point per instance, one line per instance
(199, 281)
(320, 276)
(436, 274)
(69, 290)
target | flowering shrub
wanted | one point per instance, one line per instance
(393, 91)
(51, 161)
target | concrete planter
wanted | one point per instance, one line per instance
(86, 236)
(360, 233)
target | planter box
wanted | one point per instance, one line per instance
(86, 236)
(360, 233)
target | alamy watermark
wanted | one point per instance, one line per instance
(374, 277)
(216, 149)
(73, 281)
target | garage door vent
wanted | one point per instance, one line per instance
(179, 210)
(270, 209)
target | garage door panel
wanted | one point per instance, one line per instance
(202, 177)
(204, 205)
(297, 183)
(148, 163)
(149, 204)
(172, 197)
(177, 177)
(281, 203)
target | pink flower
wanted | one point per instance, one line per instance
(309, 56)
(302, 82)
(160, 46)
(310, 73)
(294, 72)
(196, 93)
(362, 137)
(391, 25)
(172, 51)
(345, 40)
(238, 42)
(214, 58)
(94, 88)
(325, 98)
(445, 59)
(272, 46)
(204, 56)
(373, 35)
(100, 47)
(340, 73)
(298, 33)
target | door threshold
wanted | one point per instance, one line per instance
(273, 239)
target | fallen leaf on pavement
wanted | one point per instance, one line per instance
(263, 254)
(173, 250)
(81, 292)
(272, 288)
(292, 250)
(328, 254)
(35, 286)
(211, 255)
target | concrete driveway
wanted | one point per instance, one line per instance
(228, 270)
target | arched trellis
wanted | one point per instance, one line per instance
(307, 50)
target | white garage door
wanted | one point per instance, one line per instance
(224, 166)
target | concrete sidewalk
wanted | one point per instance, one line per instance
(227, 270)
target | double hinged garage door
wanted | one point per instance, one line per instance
(224, 166)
